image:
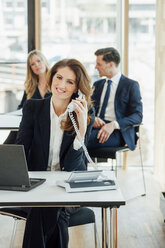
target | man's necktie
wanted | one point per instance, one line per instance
(105, 102)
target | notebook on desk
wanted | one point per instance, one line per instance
(82, 181)
(14, 171)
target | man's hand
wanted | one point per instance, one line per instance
(105, 132)
(98, 123)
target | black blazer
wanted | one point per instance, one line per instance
(128, 107)
(34, 134)
(36, 95)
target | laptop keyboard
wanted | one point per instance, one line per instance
(34, 181)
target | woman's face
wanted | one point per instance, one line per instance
(64, 83)
(37, 65)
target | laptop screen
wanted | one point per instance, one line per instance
(13, 166)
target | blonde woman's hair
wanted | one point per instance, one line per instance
(83, 83)
(31, 78)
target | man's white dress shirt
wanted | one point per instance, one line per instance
(110, 109)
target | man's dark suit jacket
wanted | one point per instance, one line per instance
(34, 134)
(127, 104)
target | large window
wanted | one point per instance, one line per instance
(13, 47)
(142, 66)
(77, 28)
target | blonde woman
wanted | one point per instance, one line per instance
(35, 84)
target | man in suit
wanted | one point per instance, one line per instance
(117, 102)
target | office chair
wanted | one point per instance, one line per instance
(82, 217)
(111, 153)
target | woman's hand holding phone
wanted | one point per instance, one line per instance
(81, 111)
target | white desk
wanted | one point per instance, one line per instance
(48, 194)
(10, 121)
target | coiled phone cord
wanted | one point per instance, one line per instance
(81, 141)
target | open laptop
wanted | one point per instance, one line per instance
(14, 171)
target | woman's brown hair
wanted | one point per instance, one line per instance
(83, 83)
(31, 78)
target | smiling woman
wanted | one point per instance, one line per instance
(69, 75)
(48, 136)
(64, 84)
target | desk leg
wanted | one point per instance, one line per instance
(113, 228)
(104, 228)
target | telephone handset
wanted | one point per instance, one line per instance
(71, 107)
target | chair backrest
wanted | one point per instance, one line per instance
(81, 217)
(16, 213)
